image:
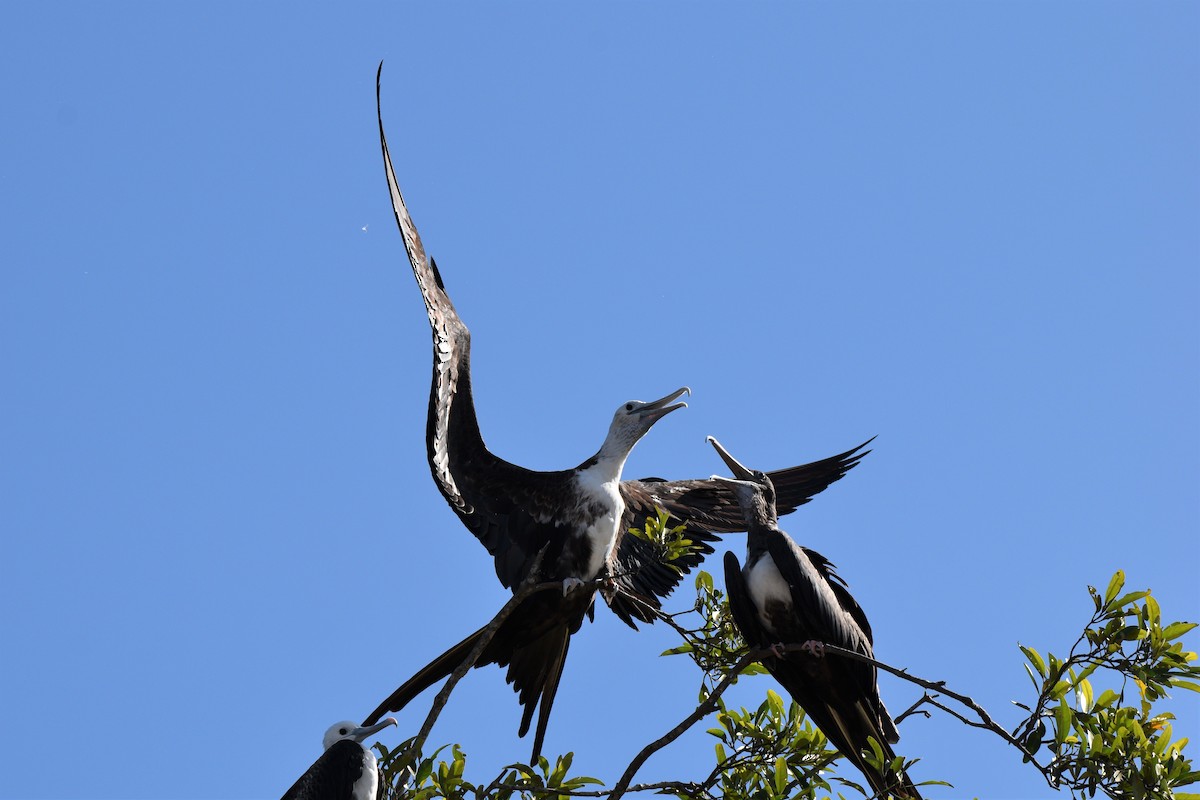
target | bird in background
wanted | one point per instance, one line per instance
(346, 770)
(572, 523)
(788, 594)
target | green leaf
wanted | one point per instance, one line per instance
(1153, 614)
(678, 650)
(1033, 680)
(1062, 722)
(1125, 600)
(1182, 684)
(1114, 586)
(1177, 629)
(781, 774)
(1083, 696)
(1131, 633)
(1035, 659)
(775, 702)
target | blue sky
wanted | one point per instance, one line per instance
(968, 229)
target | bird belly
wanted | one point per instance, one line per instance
(601, 505)
(365, 787)
(768, 590)
(601, 536)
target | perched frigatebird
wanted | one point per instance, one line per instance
(788, 594)
(346, 770)
(576, 519)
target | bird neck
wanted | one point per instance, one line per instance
(610, 459)
(606, 466)
(758, 540)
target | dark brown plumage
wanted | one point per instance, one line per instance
(578, 519)
(788, 594)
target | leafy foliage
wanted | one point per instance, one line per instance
(434, 777)
(1101, 743)
(670, 545)
(1095, 743)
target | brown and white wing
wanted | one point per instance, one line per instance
(503, 505)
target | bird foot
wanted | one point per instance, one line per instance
(777, 650)
(814, 648)
(569, 584)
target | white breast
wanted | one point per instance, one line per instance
(365, 786)
(602, 533)
(767, 586)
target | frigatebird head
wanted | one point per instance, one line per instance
(635, 418)
(353, 731)
(753, 489)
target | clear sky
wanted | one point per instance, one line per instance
(971, 229)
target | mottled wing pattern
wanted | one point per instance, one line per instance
(332, 776)
(451, 339)
(508, 508)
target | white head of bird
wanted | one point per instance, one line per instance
(633, 419)
(353, 731)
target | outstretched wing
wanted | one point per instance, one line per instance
(705, 507)
(500, 503)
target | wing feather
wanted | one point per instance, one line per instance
(502, 504)
(707, 508)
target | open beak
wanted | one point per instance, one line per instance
(359, 734)
(663, 406)
(734, 465)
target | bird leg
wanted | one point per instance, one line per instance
(814, 648)
(570, 583)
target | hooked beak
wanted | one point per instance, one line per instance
(663, 406)
(359, 734)
(734, 465)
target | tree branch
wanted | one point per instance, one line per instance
(529, 587)
(701, 711)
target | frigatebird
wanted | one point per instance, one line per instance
(788, 594)
(346, 770)
(573, 522)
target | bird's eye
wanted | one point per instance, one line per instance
(343, 731)
(629, 406)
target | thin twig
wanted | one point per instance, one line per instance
(529, 587)
(704, 709)
(986, 721)
(680, 786)
(903, 715)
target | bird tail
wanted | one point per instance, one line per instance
(531, 643)
(850, 736)
(534, 670)
(430, 674)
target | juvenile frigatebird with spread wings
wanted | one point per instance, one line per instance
(577, 520)
(788, 594)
